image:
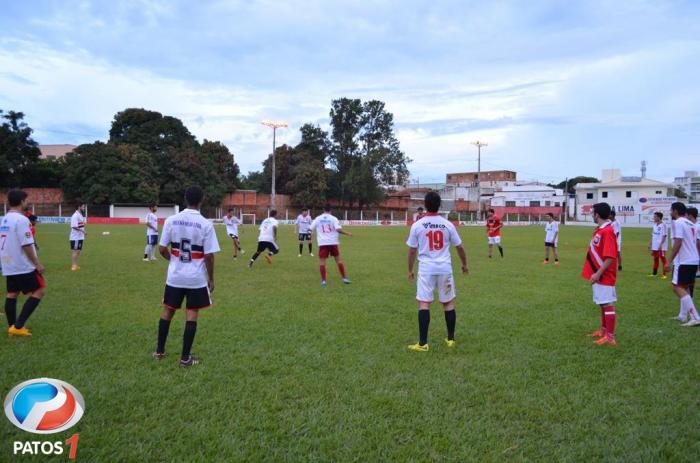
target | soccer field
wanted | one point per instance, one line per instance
(294, 372)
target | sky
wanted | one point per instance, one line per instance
(556, 88)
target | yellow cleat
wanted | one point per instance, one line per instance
(74, 268)
(12, 331)
(664, 277)
(418, 348)
(450, 343)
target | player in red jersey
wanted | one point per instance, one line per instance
(601, 270)
(493, 231)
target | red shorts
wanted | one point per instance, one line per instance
(658, 253)
(328, 250)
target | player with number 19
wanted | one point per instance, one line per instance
(430, 239)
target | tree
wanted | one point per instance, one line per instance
(104, 173)
(253, 181)
(314, 143)
(18, 151)
(285, 159)
(572, 182)
(45, 173)
(223, 159)
(308, 185)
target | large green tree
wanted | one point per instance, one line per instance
(572, 182)
(104, 173)
(18, 151)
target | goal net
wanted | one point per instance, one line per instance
(139, 211)
(248, 219)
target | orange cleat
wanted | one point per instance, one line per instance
(268, 259)
(545, 262)
(607, 339)
(597, 334)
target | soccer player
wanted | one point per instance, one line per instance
(20, 264)
(693, 217)
(551, 239)
(188, 243)
(618, 235)
(77, 236)
(327, 228)
(599, 268)
(658, 244)
(420, 213)
(685, 258)
(149, 253)
(232, 222)
(430, 239)
(267, 240)
(493, 231)
(302, 226)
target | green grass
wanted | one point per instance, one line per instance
(293, 372)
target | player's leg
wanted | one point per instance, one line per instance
(599, 298)
(425, 287)
(235, 248)
(11, 306)
(500, 248)
(154, 246)
(147, 249)
(341, 266)
(29, 306)
(663, 263)
(546, 253)
(681, 286)
(490, 249)
(301, 244)
(609, 320)
(447, 295)
(311, 247)
(261, 248)
(322, 265)
(187, 359)
(272, 249)
(655, 266)
(555, 251)
(172, 301)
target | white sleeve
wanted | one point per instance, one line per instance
(454, 236)
(412, 240)
(24, 233)
(73, 221)
(313, 225)
(336, 224)
(211, 244)
(165, 237)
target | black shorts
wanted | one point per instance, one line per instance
(231, 235)
(152, 240)
(684, 275)
(550, 245)
(76, 245)
(305, 236)
(272, 247)
(197, 298)
(25, 283)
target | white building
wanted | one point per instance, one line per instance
(634, 199)
(689, 184)
(529, 195)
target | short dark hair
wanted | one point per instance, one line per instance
(304, 208)
(230, 210)
(194, 195)
(693, 212)
(679, 207)
(603, 210)
(327, 207)
(660, 215)
(273, 213)
(420, 208)
(15, 197)
(491, 210)
(432, 201)
(550, 214)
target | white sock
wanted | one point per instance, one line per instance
(688, 308)
(147, 250)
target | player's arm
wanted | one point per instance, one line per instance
(150, 225)
(595, 278)
(664, 240)
(463, 258)
(343, 232)
(209, 263)
(677, 243)
(165, 242)
(412, 253)
(31, 255)
(274, 232)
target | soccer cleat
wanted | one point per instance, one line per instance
(418, 348)
(346, 281)
(678, 319)
(651, 275)
(299, 255)
(250, 264)
(556, 262)
(235, 257)
(74, 268)
(242, 251)
(153, 259)
(323, 283)
(692, 323)
(190, 361)
(545, 262)
(268, 259)
(607, 339)
(664, 277)
(158, 355)
(450, 342)
(311, 254)
(145, 259)
(24, 331)
(597, 334)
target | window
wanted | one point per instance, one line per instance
(605, 194)
(547, 203)
(628, 194)
(658, 192)
(589, 195)
(557, 204)
(534, 204)
(510, 203)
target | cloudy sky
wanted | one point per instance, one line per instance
(556, 88)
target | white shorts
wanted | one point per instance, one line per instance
(604, 294)
(427, 284)
(494, 240)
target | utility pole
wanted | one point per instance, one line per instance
(478, 145)
(566, 201)
(274, 125)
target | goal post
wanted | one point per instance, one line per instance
(139, 211)
(248, 219)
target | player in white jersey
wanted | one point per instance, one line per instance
(617, 228)
(188, 243)
(303, 229)
(328, 229)
(232, 223)
(20, 264)
(149, 253)
(267, 240)
(430, 239)
(685, 257)
(693, 217)
(77, 236)
(551, 239)
(658, 245)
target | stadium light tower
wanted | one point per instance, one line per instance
(478, 145)
(274, 125)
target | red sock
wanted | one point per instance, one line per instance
(341, 268)
(602, 319)
(323, 272)
(663, 262)
(656, 264)
(610, 319)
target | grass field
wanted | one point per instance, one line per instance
(294, 372)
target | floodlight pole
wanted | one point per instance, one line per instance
(478, 145)
(274, 125)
